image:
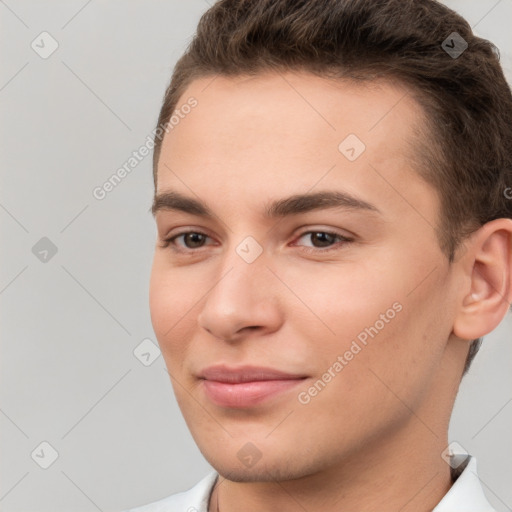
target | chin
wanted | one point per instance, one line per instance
(276, 468)
(258, 474)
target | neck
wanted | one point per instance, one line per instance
(405, 473)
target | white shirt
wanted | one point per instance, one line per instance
(465, 495)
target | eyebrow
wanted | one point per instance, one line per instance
(293, 205)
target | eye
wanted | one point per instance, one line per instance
(322, 241)
(191, 239)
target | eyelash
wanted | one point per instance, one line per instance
(336, 246)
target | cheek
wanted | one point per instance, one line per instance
(368, 312)
(357, 383)
(339, 301)
(171, 297)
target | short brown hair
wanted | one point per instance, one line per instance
(466, 153)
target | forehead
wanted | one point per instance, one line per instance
(284, 132)
(311, 105)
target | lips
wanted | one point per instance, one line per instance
(245, 386)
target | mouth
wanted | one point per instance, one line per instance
(245, 386)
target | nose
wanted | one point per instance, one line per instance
(244, 297)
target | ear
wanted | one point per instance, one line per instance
(487, 267)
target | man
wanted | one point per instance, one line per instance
(332, 197)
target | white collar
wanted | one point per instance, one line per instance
(465, 495)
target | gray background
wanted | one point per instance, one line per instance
(70, 325)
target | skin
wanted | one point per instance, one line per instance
(372, 438)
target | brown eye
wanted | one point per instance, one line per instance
(193, 240)
(323, 241)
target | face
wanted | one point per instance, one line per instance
(342, 288)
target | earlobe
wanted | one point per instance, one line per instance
(488, 299)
